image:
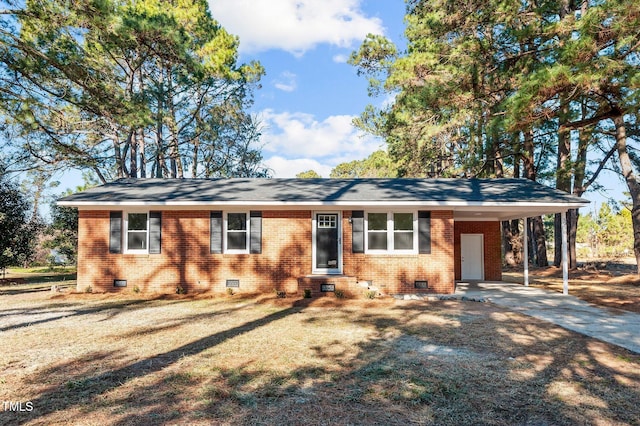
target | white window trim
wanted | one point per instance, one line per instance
(225, 229)
(125, 233)
(390, 233)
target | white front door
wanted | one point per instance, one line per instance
(472, 256)
(327, 247)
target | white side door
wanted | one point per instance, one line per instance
(472, 256)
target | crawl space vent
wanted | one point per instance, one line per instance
(421, 284)
(327, 287)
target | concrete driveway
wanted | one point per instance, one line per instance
(610, 325)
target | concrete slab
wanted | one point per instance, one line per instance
(610, 325)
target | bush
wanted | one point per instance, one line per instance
(136, 289)
(281, 294)
(339, 294)
(307, 293)
(180, 289)
(370, 294)
(88, 289)
(230, 291)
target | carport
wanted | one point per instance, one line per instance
(524, 206)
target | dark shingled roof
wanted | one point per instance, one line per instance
(323, 191)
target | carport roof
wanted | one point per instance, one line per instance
(477, 199)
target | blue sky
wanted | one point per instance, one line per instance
(309, 94)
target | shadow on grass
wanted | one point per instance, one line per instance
(83, 386)
(437, 363)
(471, 369)
(57, 311)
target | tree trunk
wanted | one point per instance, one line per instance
(563, 178)
(119, 159)
(174, 152)
(512, 242)
(579, 173)
(133, 157)
(140, 134)
(143, 161)
(539, 240)
(632, 183)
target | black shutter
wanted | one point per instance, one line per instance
(155, 232)
(424, 232)
(255, 236)
(115, 232)
(216, 232)
(357, 231)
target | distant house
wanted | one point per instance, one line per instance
(399, 236)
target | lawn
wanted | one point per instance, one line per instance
(95, 359)
(20, 280)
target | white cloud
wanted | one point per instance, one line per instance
(295, 142)
(294, 25)
(340, 58)
(286, 82)
(288, 168)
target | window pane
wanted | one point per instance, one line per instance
(137, 222)
(137, 240)
(403, 221)
(237, 240)
(237, 221)
(377, 240)
(377, 221)
(403, 240)
(326, 221)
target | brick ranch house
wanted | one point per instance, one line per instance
(398, 236)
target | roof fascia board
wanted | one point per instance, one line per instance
(459, 205)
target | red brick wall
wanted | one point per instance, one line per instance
(492, 247)
(185, 259)
(395, 274)
(286, 255)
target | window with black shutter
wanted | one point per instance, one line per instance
(255, 227)
(216, 232)
(357, 231)
(115, 232)
(424, 232)
(155, 232)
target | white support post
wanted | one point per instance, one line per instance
(565, 257)
(525, 249)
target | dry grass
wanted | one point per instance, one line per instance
(610, 285)
(19, 280)
(93, 359)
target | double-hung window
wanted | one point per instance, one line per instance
(237, 233)
(391, 232)
(137, 229)
(377, 235)
(135, 232)
(403, 231)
